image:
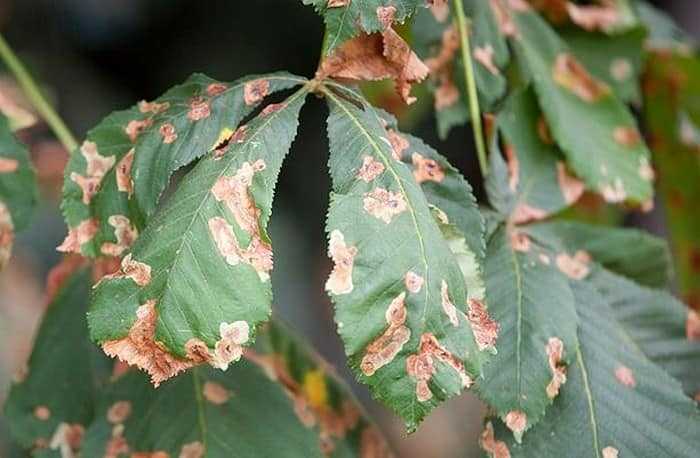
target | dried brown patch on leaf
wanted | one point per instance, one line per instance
(440, 9)
(692, 326)
(116, 445)
(646, 171)
(42, 413)
(485, 328)
(167, 131)
(215, 393)
(139, 272)
(385, 15)
(97, 167)
(420, 366)
(229, 348)
(79, 235)
(519, 241)
(7, 234)
(343, 256)
(215, 89)
(594, 17)
(447, 306)
(384, 348)
(192, 450)
(573, 76)
(524, 213)
(337, 3)
(441, 66)
(614, 192)
(123, 173)
(234, 191)
(140, 349)
(135, 127)
(272, 108)
(370, 169)
(199, 109)
(571, 187)
(414, 282)
(625, 376)
(153, 107)
(125, 234)
(67, 439)
(620, 69)
(256, 90)
(575, 266)
(488, 442)
(8, 165)
(555, 353)
(258, 254)
(627, 136)
(503, 18)
(516, 421)
(398, 144)
(610, 452)
(425, 169)
(543, 131)
(384, 204)
(119, 412)
(484, 55)
(376, 57)
(513, 165)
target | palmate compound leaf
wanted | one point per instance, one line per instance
(18, 193)
(615, 402)
(113, 183)
(594, 129)
(197, 282)
(346, 19)
(534, 305)
(280, 401)
(399, 293)
(56, 390)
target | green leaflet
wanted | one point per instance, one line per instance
(344, 22)
(64, 373)
(279, 402)
(633, 253)
(113, 183)
(672, 114)
(18, 193)
(398, 291)
(489, 50)
(534, 305)
(594, 129)
(535, 183)
(656, 321)
(198, 277)
(614, 398)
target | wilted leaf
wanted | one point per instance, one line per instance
(615, 403)
(534, 305)
(197, 282)
(403, 322)
(114, 181)
(18, 193)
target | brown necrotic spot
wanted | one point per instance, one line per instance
(370, 169)
(383, 204)
(258, 254)
(610, 452)
(593, 17)
(555, 353)
(620, 69)
(575, 266)
(8, 165)
(97, 167)
(627, 136)
(484, 55)
(79, 235)
(385, 15)
(272, 108)
(646, 171)
(524, 213)
(123, 173)
(215, 89)
(414, 282)
(440, 9)
(543, 131)
(343, 256)
(139, 272)
(192, 450)
(426, 169)
(167, 131)
(488, 442)
(116, 445)
(516, 421)
(42, 413)
(571, 75)
(235, 193)
(692, 326)
(199, 109)
(625, 376)
(613, 192)
(503, 18)
(447, 306)
(398, 144)
(240, 134)
(384, 348)
(140, 349)
(67, 439)
(571, 187)
(421, 366)
(215, 393)
(89, 186)
(119, 412)
(337, 3)
(485, 329)
(256, 90)
(7, 234)
(229, 348)
(125, 234)
(513, 167)
(153, 107)
(519, 241)
(135, 127)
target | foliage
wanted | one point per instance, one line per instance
(566, 331)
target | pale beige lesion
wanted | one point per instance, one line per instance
(137, 271)
(256, 90)
(485, 328)
(384, 204)
(123, 173)
(7, 235)
(516, 421)
(199, 109)
(79, 235)
(258, 254)
(124, 232)
(136, 127)
(388, 345)
(97, 167)
(571, 75)
(343, 256)
(370, 169)
(555, 354)
(8, 165)
(413, 282)
(229, 348)
(491, 445)
(426, 169)
(447, 305)
(576, 266)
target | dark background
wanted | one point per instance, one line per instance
(96, 56)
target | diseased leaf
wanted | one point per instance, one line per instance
(534, 305)
(664, 329)
(596, 132)
(197, 282)
(615, 402)
(54, 394)
(538, 182)
(399, 293)
(629, 252)
(113, 183)
(18, 193)
(280, 402)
